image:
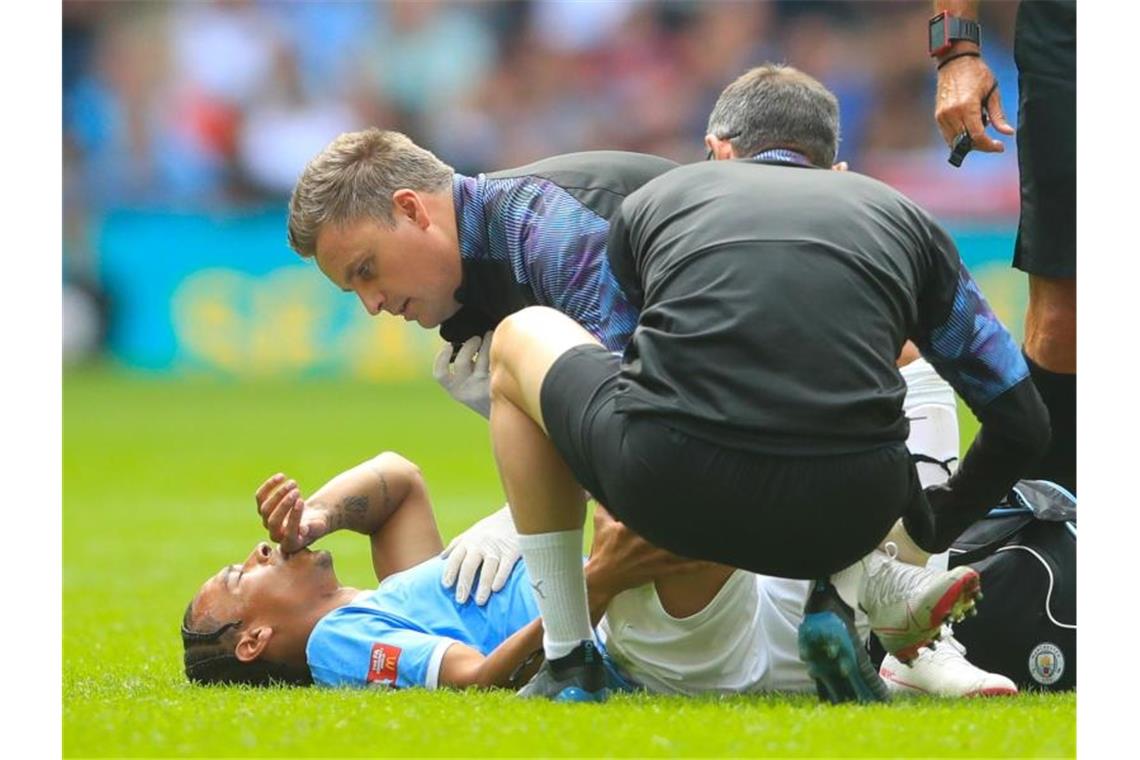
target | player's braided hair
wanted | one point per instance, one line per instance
(208, 656)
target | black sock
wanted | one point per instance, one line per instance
(1059, 392)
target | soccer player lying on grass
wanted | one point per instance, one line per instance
(674, 625)
(282, 615)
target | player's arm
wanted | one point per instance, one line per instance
(968, 346)
(512, 663)
(619, 560)
(384, 498)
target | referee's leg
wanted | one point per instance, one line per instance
(1051, 351)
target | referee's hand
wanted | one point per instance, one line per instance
(962, 85)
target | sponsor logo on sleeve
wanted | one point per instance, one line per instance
(383, 665)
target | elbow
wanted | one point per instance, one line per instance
(391, 461)
(398, 468)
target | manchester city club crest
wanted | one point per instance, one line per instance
(1046, 663)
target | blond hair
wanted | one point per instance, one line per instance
(354, 178)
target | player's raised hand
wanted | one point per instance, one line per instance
(966, 85)
(284, 514)
(467, 378)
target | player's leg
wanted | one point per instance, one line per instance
(547, 503)
(931, 409)
(888, 590)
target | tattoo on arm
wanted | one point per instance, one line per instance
(350, 513)
(354, 509)
(386, 499)
(334, 516)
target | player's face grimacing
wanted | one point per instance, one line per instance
(268, 587)
(409, 270)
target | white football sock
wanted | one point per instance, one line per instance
(933, 415)
(554, 564)
(850, 580)
(847, 581)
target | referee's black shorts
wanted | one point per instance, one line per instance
(798, 517)
(1046, 55)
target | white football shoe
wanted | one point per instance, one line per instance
(906, 605)
(943, 671)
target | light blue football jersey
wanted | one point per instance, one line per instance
(397, 634)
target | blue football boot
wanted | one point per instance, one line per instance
(835, 655)
(577, 677)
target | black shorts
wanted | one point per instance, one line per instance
(1045, 51)
(791, 516)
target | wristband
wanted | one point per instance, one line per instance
(968, 53)
(947, 28)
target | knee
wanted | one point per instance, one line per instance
(501, 376)
(1051, 324)
(509, 343)
(1053, 308)
(516, 333)
(1055, 322)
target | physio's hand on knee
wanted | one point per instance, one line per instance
(468, 378)
(491, 544)
(285, 515)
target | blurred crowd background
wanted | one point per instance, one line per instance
(213, 108)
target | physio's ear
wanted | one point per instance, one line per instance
(409, 204)
(719, 150)
(839, 167)
(252, 643)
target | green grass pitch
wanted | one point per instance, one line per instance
(158, 480)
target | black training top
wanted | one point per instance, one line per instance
(775, 300)
(537, 235)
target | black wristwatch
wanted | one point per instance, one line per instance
(946, 29)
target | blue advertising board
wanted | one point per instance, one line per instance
(226, 294)
(191, 292)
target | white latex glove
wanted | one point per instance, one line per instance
(467, 379)
(493, 544)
